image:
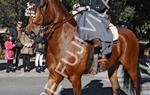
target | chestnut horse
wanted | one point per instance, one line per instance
(67, 55)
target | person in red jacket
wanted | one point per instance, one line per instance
(9, 53)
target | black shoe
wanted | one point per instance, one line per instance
(25, 69)
(28, 69)
(41, 68)
(18, 68)
(7, 70)
(37, 69)
(13, 69)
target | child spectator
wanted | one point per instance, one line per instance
(9, 54)
(40, 50)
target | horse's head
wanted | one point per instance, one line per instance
(47, 12)
(38, 7)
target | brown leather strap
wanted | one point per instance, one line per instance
(54, 26)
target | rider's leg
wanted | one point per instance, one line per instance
(102, 60)
(96, 50)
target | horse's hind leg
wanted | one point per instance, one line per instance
(114, 81)
(132, 72)
(135, 77)
(52, 85)
(76, 83)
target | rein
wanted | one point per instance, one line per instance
(55, 26)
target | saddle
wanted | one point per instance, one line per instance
(114, 32)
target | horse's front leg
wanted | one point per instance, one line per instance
(76, 84)
(52, 85)
(114, 81)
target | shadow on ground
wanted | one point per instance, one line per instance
(95, 87)
(2, 66)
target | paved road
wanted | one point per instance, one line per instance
(33, 83)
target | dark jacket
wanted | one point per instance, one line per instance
(40, 44)
(15, 36)
(97, 5)
(13, 33)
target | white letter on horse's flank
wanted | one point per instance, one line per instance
(62, 71)
(73, 55)
(79, 39)
(53, 88)
(79, 46)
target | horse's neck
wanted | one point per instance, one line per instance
(60, 12)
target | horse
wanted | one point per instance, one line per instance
(67, 55)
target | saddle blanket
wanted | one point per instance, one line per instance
(91, 25)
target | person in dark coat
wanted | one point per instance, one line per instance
(15, 32)
(40, 46)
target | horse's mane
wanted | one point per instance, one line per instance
(61, 11)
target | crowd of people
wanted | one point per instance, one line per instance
(17, 43)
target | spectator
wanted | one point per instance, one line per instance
(40, 50)
(26, 51)
(15, 32)
(9, 54)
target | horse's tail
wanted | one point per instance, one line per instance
(128, 83)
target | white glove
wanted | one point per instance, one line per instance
(25, 45)
(88, 8)
(29, 45)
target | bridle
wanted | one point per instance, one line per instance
(49, 28)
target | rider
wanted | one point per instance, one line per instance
(99, 7)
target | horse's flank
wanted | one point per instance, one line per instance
(63, 40)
